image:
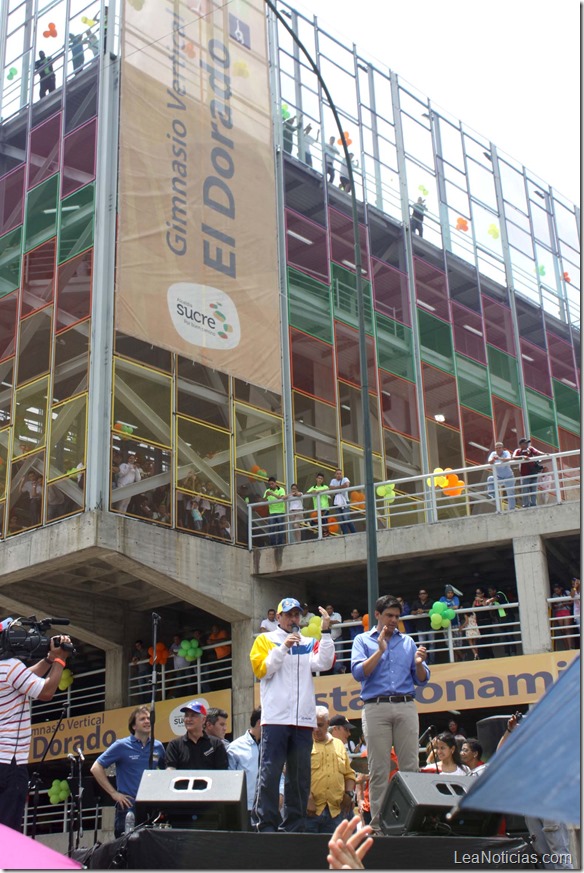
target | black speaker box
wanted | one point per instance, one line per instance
(489, 732)
(418, 803)
(202, 799)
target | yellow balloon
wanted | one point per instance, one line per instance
(305, 632)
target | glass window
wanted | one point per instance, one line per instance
(353, 462)
(74, 290)
(142, 352)
(561, 357)
(142, 402)
(312, 366)
(12, 147)
(248, 491)
(509, 424)
(444, 448)
(440, 400)
(542, 420)
(8, 318)
(77, 218)
(468, 331)
(478, 440)
(315, 429)
(499, 325)
(343, 241)
(202, 393)
(436, 341)
(41, 213)
(399, 410)
(30, 417)
(38, 281)
(26, 500)
(402, 460)
(394, 348)
(203, 460)
(34, 347)
(71, 370)
(258, 442)
(206, 517)
(310, 306)
(391, 292)
(569, 442)
(68, 441)
(536, 372)
(6, 386)
(567, 407)
(78, 158)
(348, 357)
(344, 286)
(307, 246)
(255, 396)
(503, 373)
(77, 111)
(11, 200)
(431, 290)
(463, 283)
(473, 385)
(351, 416)
(45, 146)
(307, 469)
(141, 476)
(10, 260)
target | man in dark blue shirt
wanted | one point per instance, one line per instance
(131, 757)
(389, 666)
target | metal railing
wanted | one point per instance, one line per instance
(84, 695)
(52, 819)
(565, 629)
(200, 677)
(424, 499)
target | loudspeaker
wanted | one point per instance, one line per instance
(418, 803)
(489, 732)
(203, 799)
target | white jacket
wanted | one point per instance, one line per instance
(286, 686)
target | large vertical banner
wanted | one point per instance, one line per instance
(197, 245)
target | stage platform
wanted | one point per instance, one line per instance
(175, 849)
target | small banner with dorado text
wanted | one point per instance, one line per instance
(197, 268)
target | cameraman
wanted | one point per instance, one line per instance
(17, 685)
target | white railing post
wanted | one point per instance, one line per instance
(433, 503)
(249, 528)
(556, 479)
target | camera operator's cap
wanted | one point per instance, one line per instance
(196, 706)
(288, 604)
(340, 721)
(524, 440)
(5, 623)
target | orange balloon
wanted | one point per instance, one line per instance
(365, 621)
(452, 480)
(333, 527)
(314, 514)
(255, 468)
(358, 499)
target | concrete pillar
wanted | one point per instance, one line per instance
(116, 678)
(242, 635)
(533, 589)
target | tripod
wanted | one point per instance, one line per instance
(74, 808)
(35, 783)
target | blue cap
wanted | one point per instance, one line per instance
(287, 605)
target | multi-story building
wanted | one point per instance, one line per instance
(178, 295)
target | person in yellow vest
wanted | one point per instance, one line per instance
(322, 500)
(276, 497)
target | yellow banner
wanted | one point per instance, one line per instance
(470, 685)
(197, 248)
(95, 732)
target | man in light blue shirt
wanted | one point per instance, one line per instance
(244, 754)
(389, 666)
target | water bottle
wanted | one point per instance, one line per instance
(130, 821)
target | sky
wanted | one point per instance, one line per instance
(508, 69)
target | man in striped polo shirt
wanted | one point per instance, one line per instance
(17, 685)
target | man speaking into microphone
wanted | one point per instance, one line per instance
(284, 662)
(18, 685)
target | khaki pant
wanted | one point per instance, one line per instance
(386, 725)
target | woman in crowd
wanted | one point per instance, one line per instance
(449, 756)
(470, 755)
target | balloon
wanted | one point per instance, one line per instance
(365, 621)
(53, 798)
(445, 623)
(189, 50)
(52, 31)
(150, 650)
(380, 490)
(390, 493)
(461, 224)
(493, 231)
(346, 138)
(314, 514)
(358, 500)
(435, 621)
(56, 784)
(541, 270)
(423, 191)
(255, 468)
(449, 614)
(305, 631)
(438, 607)
(190, 658)
(182, 652)
(263, 474)
(566, 275)
(118, 425)
(12, 73)
(184, 644)
(285, 112)
(437, 480)
(315, 620)
(333, 525)
(88, 21)
(160, 647)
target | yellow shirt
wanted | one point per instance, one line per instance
(330, 769)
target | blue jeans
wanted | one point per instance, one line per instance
(277, 536)
(323, 823)
(290, 745)
(506, 485)
(344, 513)
(529, 490)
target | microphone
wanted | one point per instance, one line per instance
(295, 629)
(58, 620)
(80, 753)
(426, 733)
(71, 757)
(156, 617)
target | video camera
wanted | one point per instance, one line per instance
(24, 638)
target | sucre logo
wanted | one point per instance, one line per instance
(203, 315)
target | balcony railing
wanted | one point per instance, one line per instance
(423, 499)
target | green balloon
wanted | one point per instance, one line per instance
(193, 643)
(449, 613)
(380, 490)
(190, 658)
(445, 623)
(439, 607)
(436, 621)
(54, 799)
(182, 652)
(63, 795)
(56, 784)
(64, 784)
(184, 644)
